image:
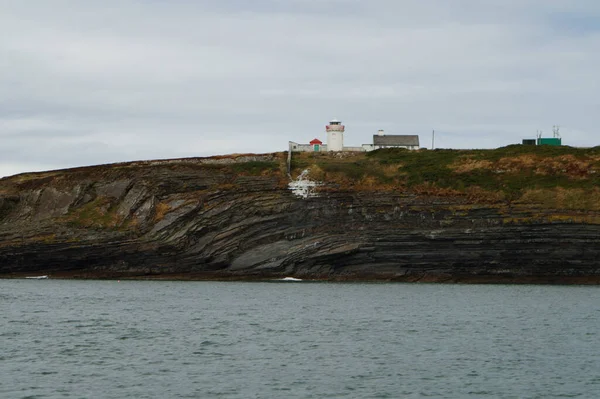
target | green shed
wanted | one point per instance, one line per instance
(549, 141)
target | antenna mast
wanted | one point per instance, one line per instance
(432, 139)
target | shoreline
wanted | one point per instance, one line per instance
(416, 279)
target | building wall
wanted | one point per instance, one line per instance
(372, 147)
(353, 149)
(335, 140)
(549, 141)
(295, 147)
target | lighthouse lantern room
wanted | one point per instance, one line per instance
(335, 135)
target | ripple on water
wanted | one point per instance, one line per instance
(245, 340)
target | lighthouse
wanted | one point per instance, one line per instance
(335, 135)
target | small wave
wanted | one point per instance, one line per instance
(290, 279)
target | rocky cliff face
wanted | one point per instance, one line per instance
(239, 218)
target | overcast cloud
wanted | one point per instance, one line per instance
(89, 82)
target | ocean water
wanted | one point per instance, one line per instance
(157, 339)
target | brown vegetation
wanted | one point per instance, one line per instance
(160, 211)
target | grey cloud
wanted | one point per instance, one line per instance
(119, 80)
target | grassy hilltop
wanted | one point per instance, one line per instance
(553, 177)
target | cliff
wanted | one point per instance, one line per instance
(514, 214)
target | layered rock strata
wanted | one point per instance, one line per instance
(193, 219)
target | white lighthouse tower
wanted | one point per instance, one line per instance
(335, 135)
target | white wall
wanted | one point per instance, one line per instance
(372, 147)
(335, 141)
(296, 147)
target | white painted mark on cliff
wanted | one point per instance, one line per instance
(303, 187)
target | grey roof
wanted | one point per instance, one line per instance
(396, 140)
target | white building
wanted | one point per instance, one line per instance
(335, 135)
(315, 145)
(382, 140)
(335, 141)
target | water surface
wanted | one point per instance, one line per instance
(149, 339)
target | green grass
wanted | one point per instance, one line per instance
(98, 213)
(503, 170)
(255, 168)
(353, 170)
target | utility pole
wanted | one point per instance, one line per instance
(432, 139)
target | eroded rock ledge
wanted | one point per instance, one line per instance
(236, 218)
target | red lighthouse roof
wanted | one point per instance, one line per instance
(316, 141)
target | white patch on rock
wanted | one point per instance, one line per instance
(303, 187)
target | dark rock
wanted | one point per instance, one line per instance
(195, 219)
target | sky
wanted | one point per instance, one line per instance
(93, 82)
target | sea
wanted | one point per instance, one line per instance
(286, 339)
